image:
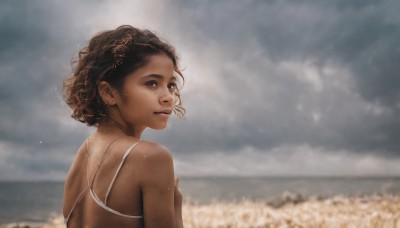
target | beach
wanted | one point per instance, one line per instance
(287, 210)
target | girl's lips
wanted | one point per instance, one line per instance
(164, 111)
(164, 115)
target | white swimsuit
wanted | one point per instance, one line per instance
(96, 198)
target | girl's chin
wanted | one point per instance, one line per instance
(159, 127)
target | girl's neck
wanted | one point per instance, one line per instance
(112, 126)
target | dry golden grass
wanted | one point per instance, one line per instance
(372, 211)
(360, 211)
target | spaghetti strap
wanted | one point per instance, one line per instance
(90, 184)
(88, 187)
(116, 173)
(103, 204)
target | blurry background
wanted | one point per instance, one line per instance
(272, 88)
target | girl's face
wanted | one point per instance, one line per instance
(148, 90)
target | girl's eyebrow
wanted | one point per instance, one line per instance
(158, 76)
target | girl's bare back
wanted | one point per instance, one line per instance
(125, 193)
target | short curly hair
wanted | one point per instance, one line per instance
(110, 56)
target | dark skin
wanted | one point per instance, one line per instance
(146, 184)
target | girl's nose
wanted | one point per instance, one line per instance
(167, 97)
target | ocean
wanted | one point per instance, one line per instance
(35, 201)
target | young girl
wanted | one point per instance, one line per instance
(123, 83)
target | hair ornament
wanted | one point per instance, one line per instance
(121, 48)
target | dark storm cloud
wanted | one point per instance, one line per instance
(359, 36)
(267, 79)
(35, 51)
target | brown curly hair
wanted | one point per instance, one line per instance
(110, 56)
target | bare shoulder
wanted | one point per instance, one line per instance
(154, 151)
(146, 153)
(150, 148)
(78, 162)
(156, 162)
(154, 156)
(80, 156)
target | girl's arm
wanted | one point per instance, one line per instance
(158, 188)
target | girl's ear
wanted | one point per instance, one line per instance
(107, 93)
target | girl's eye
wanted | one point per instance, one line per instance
(149, 83)
(174, 85)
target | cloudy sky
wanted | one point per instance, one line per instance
(271, 87)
